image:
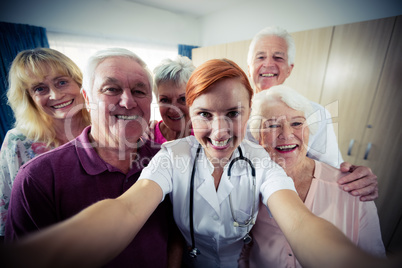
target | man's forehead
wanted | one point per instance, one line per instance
(115, 71)
(279, 110)
(114, 64)
(281, 117)
(271, 41)
(264, 52)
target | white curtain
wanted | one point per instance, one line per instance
(80, 48)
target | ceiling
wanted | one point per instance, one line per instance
(195, 8)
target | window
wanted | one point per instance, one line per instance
(80, 48)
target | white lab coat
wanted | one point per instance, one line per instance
(219, 242)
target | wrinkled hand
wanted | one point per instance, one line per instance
(149, 131)
(360, 182)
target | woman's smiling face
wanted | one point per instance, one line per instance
(56, 94)
(219, 118)
(172, 105)
(284, 133)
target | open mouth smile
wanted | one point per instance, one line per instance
(127, 117)
(176, 118)
(62, 105)
(268, 75)
(286, 148)
(220, 145)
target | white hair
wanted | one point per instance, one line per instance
(287, 95)
(273, 31)
(177, 71)
(101, 55)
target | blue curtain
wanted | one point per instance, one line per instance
(185, 50)
(13, 39)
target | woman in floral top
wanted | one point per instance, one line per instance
(44, 93)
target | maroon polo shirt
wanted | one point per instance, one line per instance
(57, 185)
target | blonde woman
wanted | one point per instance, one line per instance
(44, 94)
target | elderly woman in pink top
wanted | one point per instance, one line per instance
(171, 77)
(281, 120)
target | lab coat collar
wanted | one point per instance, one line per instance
(206, 186)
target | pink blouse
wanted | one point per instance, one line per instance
(357, 220)
(158, 137)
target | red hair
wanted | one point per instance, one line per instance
(211, 72)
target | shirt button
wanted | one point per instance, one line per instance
(290, 255)
(215, 217)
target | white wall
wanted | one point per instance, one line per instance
(243, 21)
(130, 21)
(106, 18)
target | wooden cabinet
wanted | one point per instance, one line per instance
(200, 55)
(354, 67)
(363, 79)
(383, 133)
(355, 71)
(312, 49)
(236, 52)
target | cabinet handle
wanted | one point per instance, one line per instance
(352, 141)
(367, 151)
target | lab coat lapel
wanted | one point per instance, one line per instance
(206, 188)
(207, 191)
(238, 171)
(225, 188)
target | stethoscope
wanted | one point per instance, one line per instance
(193, 251)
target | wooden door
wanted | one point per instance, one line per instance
(237, 52)
(355, 62)
(312, 49)
(202, 54)
(384, 133)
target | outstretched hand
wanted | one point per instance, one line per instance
(360, 182)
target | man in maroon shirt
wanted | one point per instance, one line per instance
(103, 162)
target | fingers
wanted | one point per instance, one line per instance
(361, 182)
(356, 189)
(345, 167)
(359, 173)
(359, 188)
(370, 197)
